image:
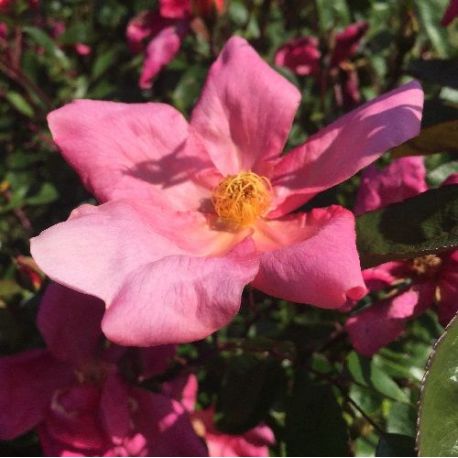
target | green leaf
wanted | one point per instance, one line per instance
(365, 372)
(395, 445)
(314, 425)
(441, 138)
(20, 103)
(45, 195)
(438, 416)
(249, 386)
(43, 39)
(424, 224)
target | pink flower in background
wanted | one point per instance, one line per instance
(432, 279)
(164, 31)
(255, 442)
(73, 393)
(192, 212)
(450, 13)
(303, 57)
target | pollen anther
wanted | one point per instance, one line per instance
(241, 199)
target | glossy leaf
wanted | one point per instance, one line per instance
(365, 372)
(441, 138)
(438, 416)
(411, 228)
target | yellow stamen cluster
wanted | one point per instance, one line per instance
(426, 266)
(241, 199)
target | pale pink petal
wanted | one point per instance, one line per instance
(384, 322)
(448, 288)
(450, 13)
(98, 247)
(245, 111)
(351, 143)
(70, 324)
(165, 425)
(180, 298)
(175, 9)
(403, 178)
(73, 418)
(320, 268)
(347, 42)
(260, 436)
(301, 55)
(129, 150)
(160, 51)
(27, 384)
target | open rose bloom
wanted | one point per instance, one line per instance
(75, 394)
(191, 212)
(413, 286)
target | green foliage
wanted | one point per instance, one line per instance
(438, 417)
(415, 227)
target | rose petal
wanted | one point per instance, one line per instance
(161, 50)
(165, 425)
(70, 323)
(403, 178)
(27, 384)
(245, 110)
(322, 268)
(383, 322)
(180, 298)
(98, 247)
(129, 150)
(349, 144)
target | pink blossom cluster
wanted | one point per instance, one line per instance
(160, 33)
(190, 212)
(412, 286)
(83, 401)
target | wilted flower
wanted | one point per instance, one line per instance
(254, 442)
(76, 397)
(196, 211)
(164, 30)
(417, 284)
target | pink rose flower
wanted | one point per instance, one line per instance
(303, 57)
(450, 13)
(75, 396)
(254, 442)
(192, 212)
(432, 279)
(165, 30)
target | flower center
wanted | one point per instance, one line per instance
(241, 199)
(426, 266)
